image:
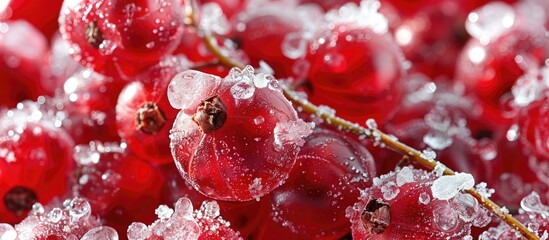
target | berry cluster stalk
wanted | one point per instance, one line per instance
(344, 125)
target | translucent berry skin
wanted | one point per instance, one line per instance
(411, 211)
(35, 158)
(329, 172)
(347, 73)
(119, 37)
(144, 115)
(121, 187)
(42, 15)
(248, 154)
(489, 71)
(23, 71)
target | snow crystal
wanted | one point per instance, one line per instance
(163, 212)
(429, 155)
(405, 175)
(213, 19)
(366, 15)
(483, 190)
(527, 88)
(371, 123)
(291, 132)
(243, 90)
(438, 141)
(446, 187)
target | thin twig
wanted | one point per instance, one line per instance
(371, 133)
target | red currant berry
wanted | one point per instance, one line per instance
(42, 15)
(329, 172)
(35, 158)
(415, 204)
(534, 127)
(504, 47)
(119, 37)
(121, 187)
(88, 104)
(23, 65)
(234, 139)
(353, 67)
(144, 115)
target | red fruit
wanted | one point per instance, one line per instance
(35, 158)
(23, 65)
(41, 14)
(144, 115)
(327, 5)
(433, 38)
(329, 172)
(234, 139)
(355, 67)
(88, 104)
(409, 204)
(121, 187)
(119, 37)
(211, 224)
(275, 35)
(500, 53)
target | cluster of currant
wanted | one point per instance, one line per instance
(265, 119)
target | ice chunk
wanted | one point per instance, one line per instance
(7, 232)
(213, 19)
(446, 187)
(291, 132)
(187, 89)
(532, 203)
(104, 233)
(390, 190)
(243, 89)
(490, 21)
(365, 15)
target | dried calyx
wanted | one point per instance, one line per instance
(210, 114)
(150, 118)
(94, 36)
(20, 199)
(376, 216)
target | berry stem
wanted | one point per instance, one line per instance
(371, 133)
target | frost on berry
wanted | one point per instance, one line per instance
(71, 220)
(232, 139)
(379, 215)
(184, 223)
(533, 215)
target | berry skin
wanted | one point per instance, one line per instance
(534, 126)
(120, 37)
(144, 115)
(346, 73)
(35, 158)
(234, 139)
(328, 174)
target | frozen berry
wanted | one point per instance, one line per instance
(236, 138)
